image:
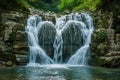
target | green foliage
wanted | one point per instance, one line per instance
(101, 36)
(67, 4)
(23, 4)
(46, 5)
(13, 5)
(77, 5)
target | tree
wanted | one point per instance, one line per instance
(79, 4)
(67, 4)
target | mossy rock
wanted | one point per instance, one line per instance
(101, 36)
(9, 63)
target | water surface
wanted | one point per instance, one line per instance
(59, 72)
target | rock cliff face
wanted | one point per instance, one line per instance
(14, 48)
(13, 44)
(105, 45)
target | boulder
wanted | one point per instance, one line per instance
(12, 36)
(102, 49)
(20, 48)
(113, 61)
(21, 59)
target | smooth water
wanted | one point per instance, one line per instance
(59, 72)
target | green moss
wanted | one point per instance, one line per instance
(78, 5)
(100, 23)
(101, 36)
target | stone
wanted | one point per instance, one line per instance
(13, 16)
(20, 48)
(20, 36)
(102, 49)
(93, 48)
(111, 61)
(46, 34)
(12, 36)
(18, 26)
(2, 46)
(113, 53)
(50, 18)
(21, 59)
(7, 34)
(118, 39)
(117, 29)
(9, 63)
(8, 49)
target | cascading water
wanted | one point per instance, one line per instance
(37, 54)
(82, 54)
(58, 42)
(80, 22)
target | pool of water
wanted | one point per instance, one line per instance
(59, 72)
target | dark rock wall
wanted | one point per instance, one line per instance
(105, 46)
(13, 44)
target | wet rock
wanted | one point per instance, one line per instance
(72, 35)
(18, 36)
(113, 53)
(46, 36)
(9, 63)
(20, 48)
(105, 53)
(102, 49)
(47, 33)
(21, 59)
(12, 36)
(112, 61)
(20, 27)
(50, 18)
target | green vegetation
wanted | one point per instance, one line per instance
(51, 5)
(46, 5)
(78, 5)
(101, 36)
(60, 5)
(20, 5)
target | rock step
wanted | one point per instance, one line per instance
(113, 53)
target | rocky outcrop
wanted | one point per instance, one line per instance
(13, 42)
(46, 16)
(105, 46)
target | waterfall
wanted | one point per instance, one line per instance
(37, 54)
(58, 42)
(81, 56)
(82, 25)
